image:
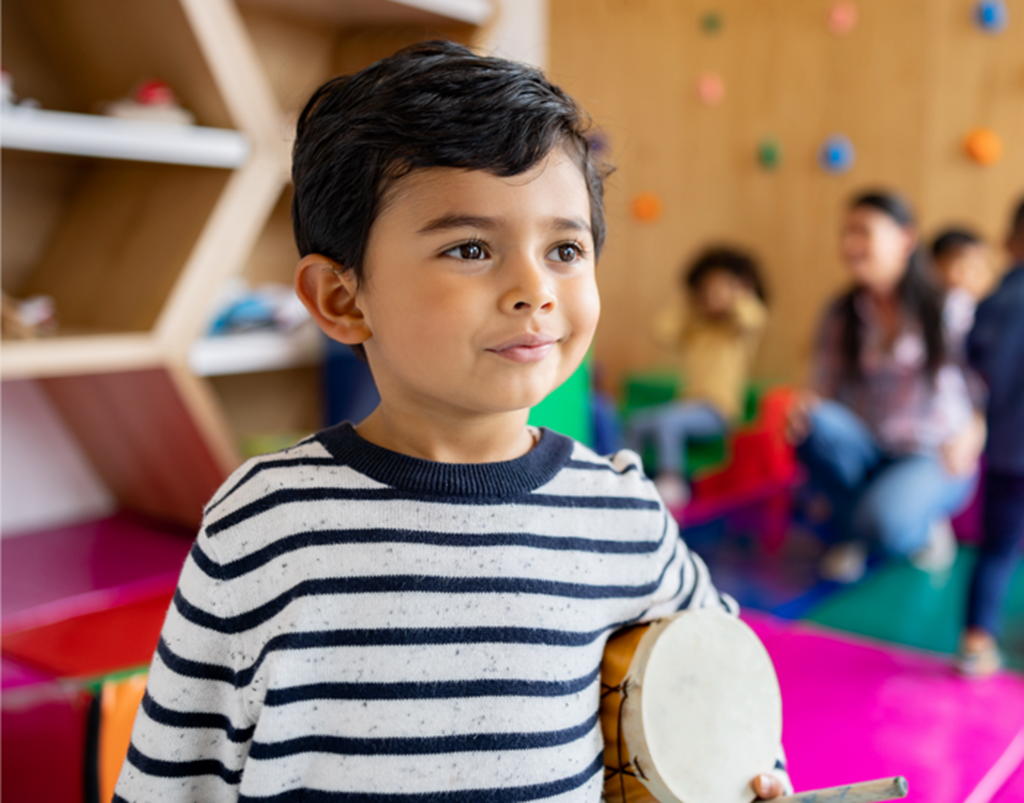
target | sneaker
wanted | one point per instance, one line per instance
(980, 663)
(673, 489)
(844, 563)
(939, 554)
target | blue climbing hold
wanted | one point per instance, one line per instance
(991, 15)
(836, 155)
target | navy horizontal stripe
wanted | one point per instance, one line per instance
(515, 794)
(194, 669)
(325, 639)
(307, 495)
(266, 465)
(308, 540)
(437, 690)
(586, 466)
(181, 769)
(194, 719)
(421, 746)
(409, 584)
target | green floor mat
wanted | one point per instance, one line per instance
(902, 604)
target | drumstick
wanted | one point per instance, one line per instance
(867, 792)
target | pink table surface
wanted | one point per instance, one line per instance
(16, 675)
(52, 575)
(856, 710)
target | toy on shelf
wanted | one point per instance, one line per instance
(29, 318)
(7, 96)
(646, 207)
(836, 154)
(242, 308)
(842, 17)
(711, 88)
(152, 101)
(984, 146)
(991, 15)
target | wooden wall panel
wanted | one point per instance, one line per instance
(896, 87)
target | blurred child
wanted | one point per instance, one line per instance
(995, 348)
(962, 262)
(716, 337)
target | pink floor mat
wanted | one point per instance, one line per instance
(856, 710)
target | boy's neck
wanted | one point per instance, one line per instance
(480, 439)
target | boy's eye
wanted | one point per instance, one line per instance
(467, 251)
(566, 252)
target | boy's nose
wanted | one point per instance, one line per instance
(529, 290)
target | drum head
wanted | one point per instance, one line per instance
(703, 714)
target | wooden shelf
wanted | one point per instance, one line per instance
(113, 138)
(132, 227)
(256, 351)
(82, 354)
(383, 12)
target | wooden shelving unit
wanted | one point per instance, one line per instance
(133, 227)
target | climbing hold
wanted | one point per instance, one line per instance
(711, 22)
(710, 88)
(984, 146)
(769, 153)
(842, 17)
(836, 154)
(991, 15)
(646, 206)
(598, 142)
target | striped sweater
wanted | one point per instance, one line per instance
(354, 624)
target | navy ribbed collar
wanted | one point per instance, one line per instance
(508, 478)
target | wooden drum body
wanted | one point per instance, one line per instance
(690, 709)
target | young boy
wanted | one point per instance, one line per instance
(415, 608)
(994, 348)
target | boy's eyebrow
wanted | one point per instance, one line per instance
(458, 222)
(482, 222)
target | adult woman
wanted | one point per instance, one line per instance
(889, 433)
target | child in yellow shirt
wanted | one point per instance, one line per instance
(715, 337)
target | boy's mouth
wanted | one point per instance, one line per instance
(526, 348)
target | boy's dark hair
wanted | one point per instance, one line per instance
(731, 260)
(953, 239)
(434, 104)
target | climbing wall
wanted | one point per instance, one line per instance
(752, 121)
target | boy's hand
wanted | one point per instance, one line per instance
(767, 786)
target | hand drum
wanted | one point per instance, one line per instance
(690, 709)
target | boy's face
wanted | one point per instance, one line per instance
(478, 290)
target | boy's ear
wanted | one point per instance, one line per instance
(329, 292)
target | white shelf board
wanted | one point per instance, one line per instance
(384, 12)
(32, 129)
(77, 354)
(256, 351)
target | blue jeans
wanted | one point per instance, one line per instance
(669, 426)
(884, 499)
(997, 557)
